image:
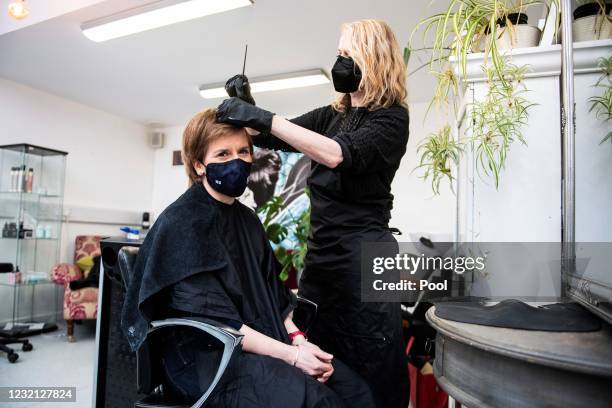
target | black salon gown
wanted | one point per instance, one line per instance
(248, 291)
(350, 205)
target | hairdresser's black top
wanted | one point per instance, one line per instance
(216, 253)
(372, 144)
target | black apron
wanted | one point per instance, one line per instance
(365, 336)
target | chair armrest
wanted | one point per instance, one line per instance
(65, 273)
(209, 326)
(230, 338)
(305, 313)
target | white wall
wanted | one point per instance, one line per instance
(526, 205)
(416, 209)
(169, 181)
(593, 166)
(109, 169)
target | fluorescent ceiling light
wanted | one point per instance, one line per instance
(154, 15)
(271, 83)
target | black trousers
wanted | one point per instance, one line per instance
(256, 381)
(370, 341)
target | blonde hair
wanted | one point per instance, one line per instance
(375, 50)
(200, 131)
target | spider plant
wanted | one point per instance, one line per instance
(498, 118)
(602, 105)
(465, 24)
(462, 28)
(438, 153)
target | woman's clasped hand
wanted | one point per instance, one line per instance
(313, 361)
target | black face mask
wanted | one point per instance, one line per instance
(230, 177)
(346, 75)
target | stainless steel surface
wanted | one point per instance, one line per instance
(484, 366)
(568, 156)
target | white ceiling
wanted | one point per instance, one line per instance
(153, 77)
(40, 10)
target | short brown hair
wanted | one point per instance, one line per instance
(201, 130)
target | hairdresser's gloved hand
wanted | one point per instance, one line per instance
(238, 86)
(238, 113)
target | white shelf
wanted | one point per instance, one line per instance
(543, 61)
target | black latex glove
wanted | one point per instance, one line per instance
(238, 113)
(238, 86)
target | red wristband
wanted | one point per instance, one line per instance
(296, 333)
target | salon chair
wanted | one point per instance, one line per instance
(224, 343)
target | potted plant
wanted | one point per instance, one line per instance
(471, 25)
(468, 26)
(592, 20)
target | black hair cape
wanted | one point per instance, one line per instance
(181, 243)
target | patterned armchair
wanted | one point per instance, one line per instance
(79, 304)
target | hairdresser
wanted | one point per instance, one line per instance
(356, 145)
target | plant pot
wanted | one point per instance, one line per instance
(517, 36)
(515, 19)
(590, 24)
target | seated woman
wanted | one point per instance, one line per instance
(207, 255)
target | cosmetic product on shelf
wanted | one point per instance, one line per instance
(5, 230)
(11, 232)
(24, 232)
(14, 171)
(30, 180)
(14, 278)
(146, 224)
(20, 182)
(24, 177)
(48, 232)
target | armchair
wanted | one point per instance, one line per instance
(79, 304)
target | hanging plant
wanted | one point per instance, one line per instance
(471, 26)
(439, 152)
(497, 119)
(602, 105)
(468, 26)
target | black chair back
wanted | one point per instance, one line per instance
(148, 369)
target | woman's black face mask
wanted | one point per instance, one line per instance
(346, 75)
(230, 177)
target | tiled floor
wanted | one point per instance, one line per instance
(54, 362)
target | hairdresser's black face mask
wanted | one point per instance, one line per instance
(230, 177)
(346, 75)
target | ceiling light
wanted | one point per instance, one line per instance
(271, 83)
(18, 9)
(154, 15)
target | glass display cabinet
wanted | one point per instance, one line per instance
(31, 200)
